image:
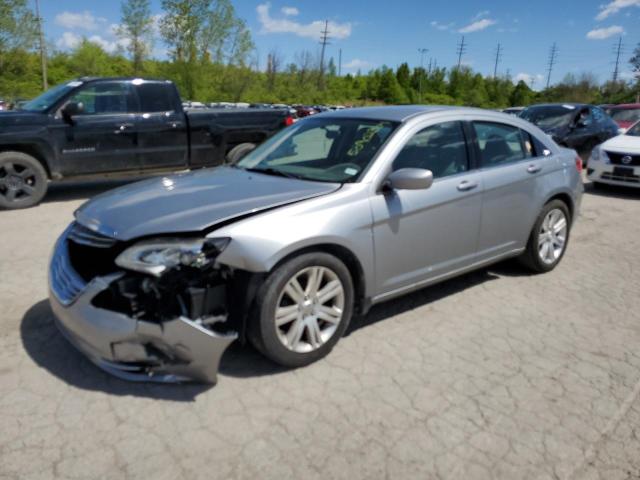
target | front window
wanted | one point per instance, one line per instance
(626, 115)
(321, 149)
(635, 130)
(106, 98)
(552, 116)
(49, 98)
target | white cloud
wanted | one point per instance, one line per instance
(478, 25)
(79, 20)
(528, 78)
(308, 30)
(442, 26)
(290, 11)
(357, 64)
(614, 7)
(479, 15)
(69, 40)
(602, 33)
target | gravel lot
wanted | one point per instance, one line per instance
(497, 374)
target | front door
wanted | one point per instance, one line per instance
(420, 235)
(103, 138)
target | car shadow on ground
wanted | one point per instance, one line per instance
(612, 191)
(51, 351)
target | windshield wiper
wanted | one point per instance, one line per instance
(274, 172)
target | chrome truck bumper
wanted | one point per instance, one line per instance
(178, 350)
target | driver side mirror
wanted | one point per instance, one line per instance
(410, 179)
(71, 109)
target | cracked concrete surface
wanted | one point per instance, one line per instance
(496, 374)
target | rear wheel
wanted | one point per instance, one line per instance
(23, 180)
(303, 309)
(549, 238)
(239, 151)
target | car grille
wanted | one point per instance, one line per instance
(619, 177)
(83, 236)
(616, 159)
(66, 284)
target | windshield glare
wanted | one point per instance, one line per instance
(321, 149)
(549, 117)
(635, 130)
(626, 114)
(48, 98)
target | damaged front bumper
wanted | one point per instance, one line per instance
(175, 350)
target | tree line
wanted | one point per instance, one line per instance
(211, 57)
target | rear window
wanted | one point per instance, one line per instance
(155, 97)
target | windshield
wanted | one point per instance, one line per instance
(626, 114)
(553, 116)
(321, 149)
(635, 130)
(48, 98)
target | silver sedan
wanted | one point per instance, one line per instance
(334, 214)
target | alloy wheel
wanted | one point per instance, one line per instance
(309, 309)
(17, 181)
(552, 237)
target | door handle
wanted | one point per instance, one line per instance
(467, 185)
(534, 168)
(122, 127)
(175, 124)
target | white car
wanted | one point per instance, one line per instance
(617, 161)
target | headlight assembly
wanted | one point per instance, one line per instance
(599, 155)
(157, 256)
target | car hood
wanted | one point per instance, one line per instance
(191, 202)
(18, 118)
(623, 144)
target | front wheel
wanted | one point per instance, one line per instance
(238, 152)
(549, 238)
(303, 309)
(23, 180)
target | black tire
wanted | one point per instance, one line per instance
(262, 330)
(239, 151)
(23, 181)
(531, 256)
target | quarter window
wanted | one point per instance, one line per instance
(440, 148)
(500, 144)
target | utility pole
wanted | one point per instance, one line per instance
(43, 48)
(430, 63)
(532, 82)
(340, 62)
(324, 41)
(462, 49)
(422, 52)
(498, 55)
(553, 57)
(616, 72)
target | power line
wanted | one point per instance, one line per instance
(498, 57)
(553, 57)
(43, 48)
(324, 41)
(616, 71)
(462, 49)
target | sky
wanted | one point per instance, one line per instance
(374, 33)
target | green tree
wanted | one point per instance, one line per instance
(635, 62)
(389, 90)
(522, 95)
(137, 29)
(18, 27)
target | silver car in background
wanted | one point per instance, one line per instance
(343, 210)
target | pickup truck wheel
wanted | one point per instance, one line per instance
(239, 151)
(302, 309)
(23, 180)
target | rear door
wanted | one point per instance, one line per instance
(163, 131)
(104, 137)
(512, 163)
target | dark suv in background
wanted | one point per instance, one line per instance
(573, 125)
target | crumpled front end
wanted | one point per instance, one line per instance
(134, 326)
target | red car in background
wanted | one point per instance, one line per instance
(625, 115)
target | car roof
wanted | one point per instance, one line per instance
(399, 113)
(560, 104)
(625, 106)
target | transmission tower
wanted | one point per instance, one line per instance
(553, 57)
(498, 57)
(616, 71)
(462, 49)
(324, 41)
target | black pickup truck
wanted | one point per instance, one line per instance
(118, 126)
